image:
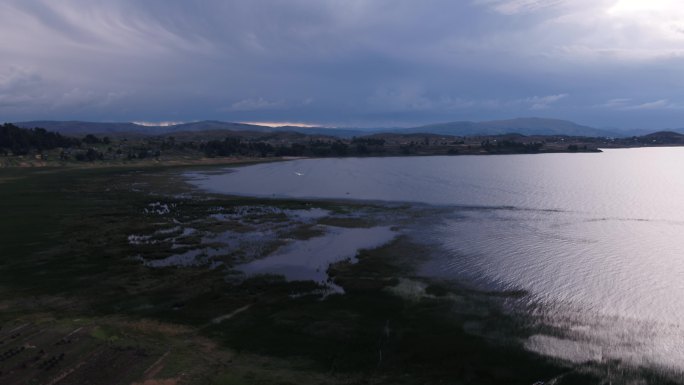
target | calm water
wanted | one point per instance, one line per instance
(309, 259)
(597, 239)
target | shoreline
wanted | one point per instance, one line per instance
(21, 162)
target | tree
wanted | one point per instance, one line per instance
(21, 140)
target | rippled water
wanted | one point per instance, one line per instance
(597, 239)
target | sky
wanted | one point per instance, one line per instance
(345, 63)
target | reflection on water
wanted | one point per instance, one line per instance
(597, 239)
(309, 259)
(613, 285)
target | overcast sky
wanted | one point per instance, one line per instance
(606, 63)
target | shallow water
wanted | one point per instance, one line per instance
(308, 260)
(597, 239)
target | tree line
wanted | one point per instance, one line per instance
(20, 141)
(318, 148)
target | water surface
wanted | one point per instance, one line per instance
(596, 239)
(309, 259)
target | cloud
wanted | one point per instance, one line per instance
(81, 98)
(18, 79)
(263, 104)
(404, 98)
(512, 7)
(616, 103)
(357, 61)
(543, 102)
(415, 99)
(626, 104)
(20, 87)
(23, 89)
(654, 105)
(256, 104)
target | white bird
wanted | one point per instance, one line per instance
(298, 173)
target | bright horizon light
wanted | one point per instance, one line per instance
(282, 124)
(635, 6)
(660, 21)
(157, 124)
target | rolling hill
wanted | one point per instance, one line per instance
(522, 126)
(100, 128)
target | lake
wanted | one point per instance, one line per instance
(596, 239)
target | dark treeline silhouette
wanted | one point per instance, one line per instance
(369, 141)
(239, 147)
(90, 148)
(235, 146)
(20, 141)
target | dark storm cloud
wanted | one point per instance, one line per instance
(351, 62)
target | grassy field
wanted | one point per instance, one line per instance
(77, 306)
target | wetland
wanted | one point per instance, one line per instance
(147, 268)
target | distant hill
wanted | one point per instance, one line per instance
(212, 125)
(82, 128)
(339, 132)
(523, 126)
(670, 134)
(663, 137)
(207, 125)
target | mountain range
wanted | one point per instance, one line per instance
(523, 126)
